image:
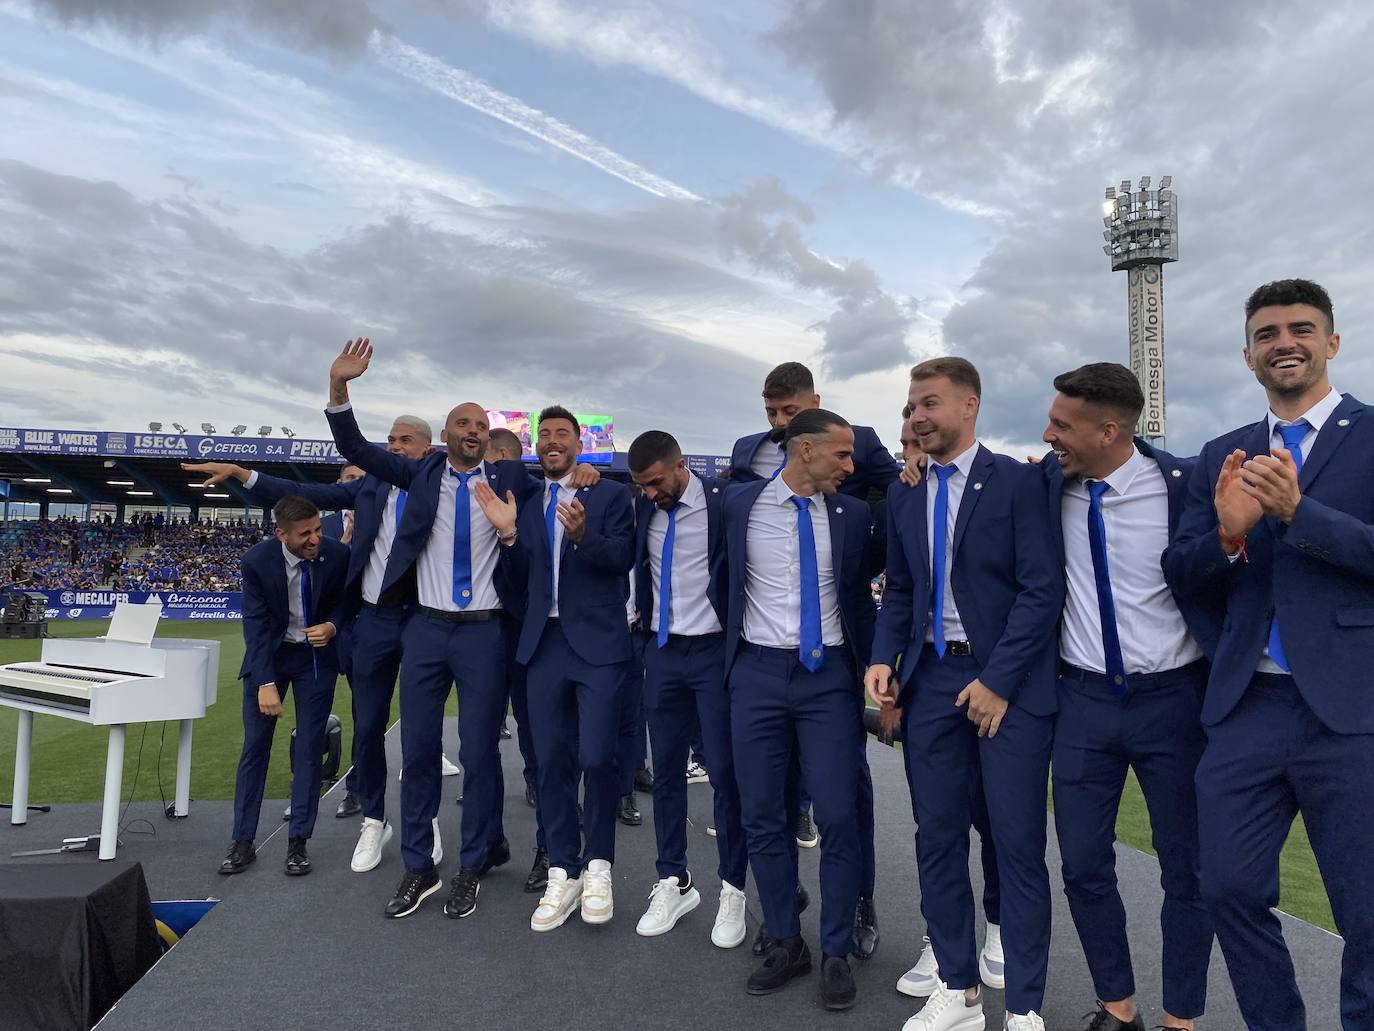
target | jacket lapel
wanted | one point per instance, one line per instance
(1054, 485)
(978, 476)
(1333, 432)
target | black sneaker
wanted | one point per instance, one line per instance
(297, 861)
(538, 879)
(497, 855)
(627, 812)
(783, 961)
(415, 887)
(837, 983)
(762, 942)
(865, 928)
(1104, 1021)
(806, 831)
(462, 895)
(241, 854)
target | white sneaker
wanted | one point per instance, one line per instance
(371, 841)
(924, 978)
(561, 896)
(668, 903)
(728, 931)
(710, 830)
(948, 1010)
(992, 967)
(1032, 1021)
(437, 853)
(598, 901)
(696, 773)
(447, 768)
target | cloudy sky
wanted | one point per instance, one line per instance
(640, 207)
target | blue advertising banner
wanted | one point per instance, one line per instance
(191, 447)
(75, 604)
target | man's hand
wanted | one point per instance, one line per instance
(1237, 509)
(351, 363)
(501, 514)
(1273, 483)
(347, 537)
(574, 519)
(217, 472)
(879, 685)
(269, 701)
(985, 707)
(584, 476)
(913, 471)
(320, 634)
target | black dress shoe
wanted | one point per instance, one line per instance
(761, 939)
(497, 855)
(627, 812)
(1104, 1021)
(241, 855)
(462, 894)
(644, 779)
(837, 983)
(783, 961)
(415, 887)
(531, 796)
(349, 806)
(538, 879)
(297, 862)
(865, 928)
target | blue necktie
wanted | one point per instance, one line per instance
(550, 527)
(812, 651)
(462, 540)
(781, 466)
(665, 576)
(940, 538)
(1292, 439)
(1106, 606)
(306, 616)
(400, 507)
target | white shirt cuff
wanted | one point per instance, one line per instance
(252, 479)
(335, 409)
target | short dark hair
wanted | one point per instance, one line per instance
(906, 411)
(503, 439)
(959, 371)
(293, 509)
(811, 421)
(652, 447)
(559, 412)
(788, 380)
(1291, 291)
(1108, 385)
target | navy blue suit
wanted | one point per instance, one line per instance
(874, 466)
(1009, 591)
(1156, 731)
(684, 687)
(576, 665)
(373, 634)
(269, 659)
(332, 525)
(1279, 745)
(783, 715)
(434, 654)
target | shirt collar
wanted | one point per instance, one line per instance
(1119, 481)
(562, 483)
(782, 493)
(964, 462)
(480, 469)
(695, 494)
(292, 561)
(1316, 416)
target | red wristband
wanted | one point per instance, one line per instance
(1233, 542)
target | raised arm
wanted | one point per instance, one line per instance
(271, 489)
(351, 363)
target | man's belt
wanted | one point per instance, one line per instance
(445, 616)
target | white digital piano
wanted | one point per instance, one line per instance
(127, 676)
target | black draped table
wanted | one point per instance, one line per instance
(74, 937)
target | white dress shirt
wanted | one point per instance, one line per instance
(953, 626)
(767, 459)
(295, 609)
(772, 574)
(691, 613)
(1151, 630)
(565, 496)
(434, 570)
(375, 572)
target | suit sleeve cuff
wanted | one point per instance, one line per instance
(336, 409)
(252, 479)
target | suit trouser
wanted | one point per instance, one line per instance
(343, 646)
(377, 636)
(520, 706)
(435, 654)
(684, 690)
(945, 769)
(565, 689)
(781, 713)
(1155, 730)
(294, 666)
(631, 743)
(1268, 760)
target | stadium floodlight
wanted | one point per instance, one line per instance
(139, 493)
(1166, 182)
(178, 427)
(288, 431)
(239, 430)
(120, 483)
(208, 429)
(215, 495)
(264, 431)
(58, 490)
(154, 427)
(37, 479)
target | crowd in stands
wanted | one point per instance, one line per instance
(146, 554)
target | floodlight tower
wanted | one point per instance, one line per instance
(1142, 235)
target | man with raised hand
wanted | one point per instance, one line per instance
(1278, 535)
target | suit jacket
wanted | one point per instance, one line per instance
(332, 526)
(717, 585)
(1203, 619)
(853, 551)
(592, 576)
(421, 479)
(265, 606)
(1008, 586)
(1317, 573)
(874, 466)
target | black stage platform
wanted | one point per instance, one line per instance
(285, 952)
